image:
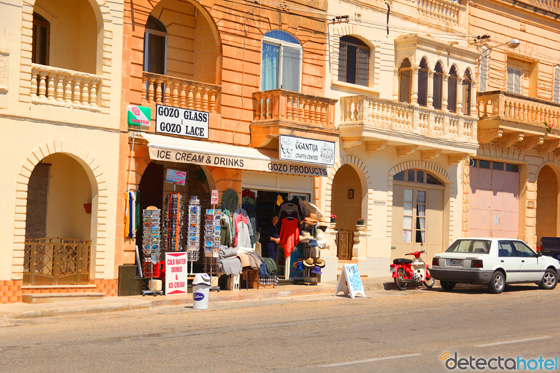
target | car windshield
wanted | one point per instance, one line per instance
(470, 246)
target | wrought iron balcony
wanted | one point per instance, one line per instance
(512, 119)
(61, 87)
(279, 112)
(378, 122)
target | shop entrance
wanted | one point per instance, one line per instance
(547, 203)
(153, 190)
(58, 223)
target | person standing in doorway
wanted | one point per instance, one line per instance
(271, 237)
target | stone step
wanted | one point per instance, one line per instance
(59, 297)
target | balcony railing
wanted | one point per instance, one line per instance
(509, 106)
(52, 261)
(61, 87)
(293, 107)
(404, 117)
(187, 94)
(443, 10)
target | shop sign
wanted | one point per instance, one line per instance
(350, 281)
(239, 162)
(176, 273)
(214, 199)
(138, 116)
(304, 150)
(182, 122)
(175, 177)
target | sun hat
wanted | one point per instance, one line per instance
(305, 236)
(321, 240)
(312, 243)
(309, 262)
(316, 270)
(311, 219)
(320, 263)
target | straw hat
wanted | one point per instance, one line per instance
(320, 263)
(311, 219)
(305, 236)
(309, 262)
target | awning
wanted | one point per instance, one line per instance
(205, 153)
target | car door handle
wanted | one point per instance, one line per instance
(502, 260)
(522, 261)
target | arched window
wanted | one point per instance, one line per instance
(556, 84)
(281, 62)
(405, 81)
(452, 90)
(417, 176)
(423, 83)
(484, 64)
(353, 61)
(155, 47)
(467, 89)
(41, 40)
(438, 86)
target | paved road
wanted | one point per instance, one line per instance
(390, 331)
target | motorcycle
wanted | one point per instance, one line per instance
(405, 271)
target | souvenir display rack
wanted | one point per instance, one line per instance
(193, 232)
(151, 220)
(211, 241)
(173, 232)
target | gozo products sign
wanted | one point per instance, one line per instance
(182, 122)
(299, 149)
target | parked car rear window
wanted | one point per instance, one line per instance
(470, 246)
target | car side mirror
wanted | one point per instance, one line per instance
(539, 255)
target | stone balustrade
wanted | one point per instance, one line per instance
(293, 107)
(404, 117)
(444, 10)
(183, 93)
(519, 108)
(61, 87)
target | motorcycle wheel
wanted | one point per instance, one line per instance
(429, 283)
(399, 280)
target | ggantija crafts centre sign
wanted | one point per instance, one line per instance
(299, 149)
(182, 122)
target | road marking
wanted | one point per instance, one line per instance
(368, 360)
(514, 341)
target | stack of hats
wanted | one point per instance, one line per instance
(311, 257)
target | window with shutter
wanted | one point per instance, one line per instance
(514, 80)
(484, 66)
(556, 84)
(353, 61)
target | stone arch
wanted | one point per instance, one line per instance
(431, 167)
(99, 204)
(104, 21)
(365, 179)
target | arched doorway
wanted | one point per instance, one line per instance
(418, 213)
(347, 198)
(58, 223)
(547, 203)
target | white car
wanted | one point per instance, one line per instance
(495, 262)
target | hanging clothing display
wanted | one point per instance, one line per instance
(225, 233)
(289, 235)
(241, 211)
(242, 235)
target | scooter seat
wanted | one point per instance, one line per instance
(402, 261)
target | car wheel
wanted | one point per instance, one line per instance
(549, 280)
(447, 285)
(497, 283)
(428, 282)
(399, 280)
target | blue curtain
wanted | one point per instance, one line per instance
(269, 73)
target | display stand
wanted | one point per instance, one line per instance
(211, 241)
(173, 232)
(193, 233)
(151, 244)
